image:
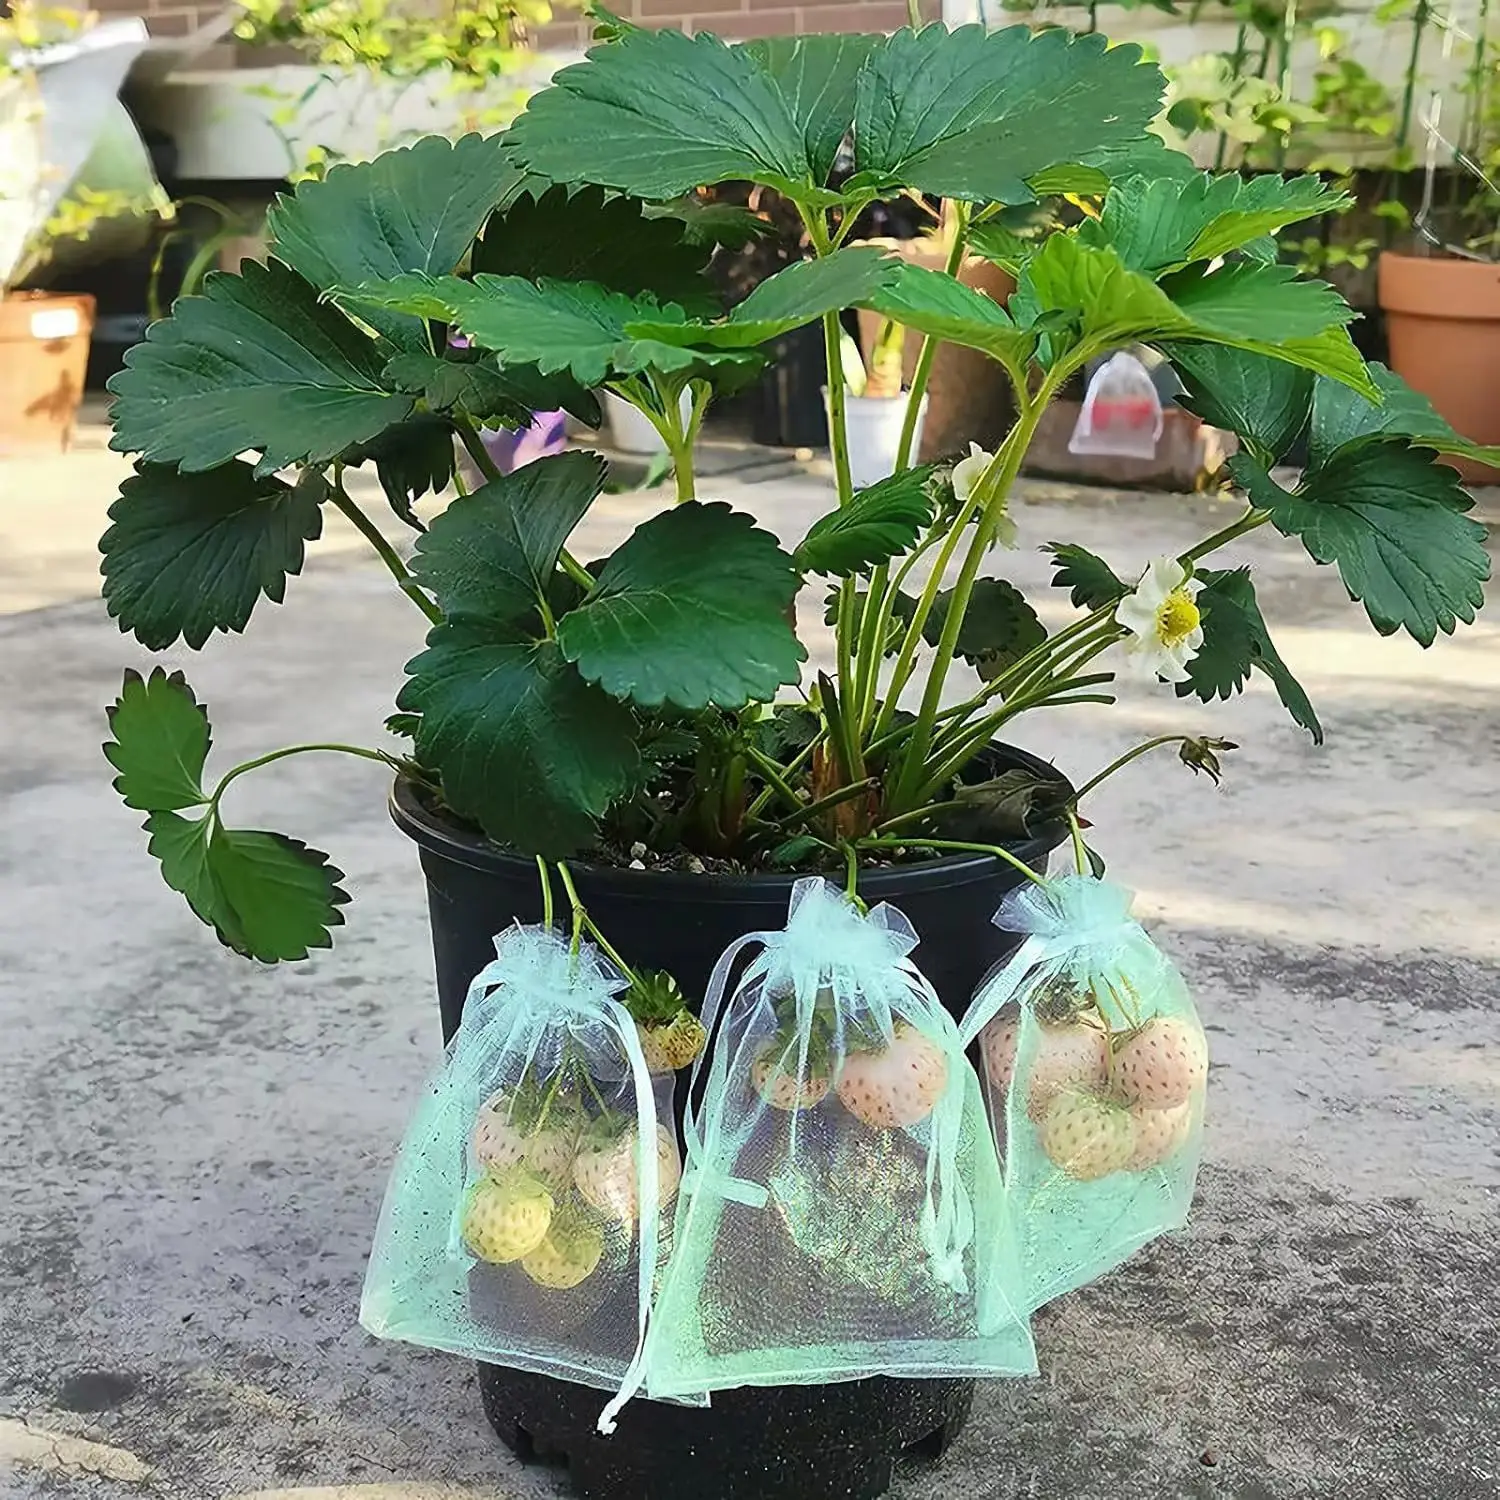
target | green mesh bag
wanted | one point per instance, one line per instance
(1095, 1065)
(841, 1178)
(521, 1224)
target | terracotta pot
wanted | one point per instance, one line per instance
(44, 350)
(968, 396)
(1442, 318)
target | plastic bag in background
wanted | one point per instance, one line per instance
(1121, 415)
(521, 1224)
(1095, 1067)
(840, 1175)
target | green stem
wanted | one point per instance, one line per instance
(1124, 760)
(469, 436)
(1252, 519)
(994, 486)
(957, 847)
(851, 874)
(577, 906)
(275, 755)
(794, 764)
(1236, 62)
(1080, 854)
(917, 814)
(576, 570)
(541, 865)
(775, 779)
(583, 921)
(833, 799)
(371, 533)
(1409, 89)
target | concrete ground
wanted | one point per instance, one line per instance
(194, 1149)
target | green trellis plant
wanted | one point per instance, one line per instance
(568, 704)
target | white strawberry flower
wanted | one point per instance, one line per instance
(1166, 629)
(966, 474)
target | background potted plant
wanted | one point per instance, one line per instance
(646, 712)
(75, 182)
(1442, 299)
(875, 415)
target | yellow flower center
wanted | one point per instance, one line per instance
(1177, 618)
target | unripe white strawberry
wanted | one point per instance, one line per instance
(895, 1085)
(1163, 1064)
(506, 1218)
(1086, 1135)
(568, 1255)
(773, 1075)
(1159, 1135)
(997, 1045)
(498, 1142)
(1071, 1057)
(605, 1176)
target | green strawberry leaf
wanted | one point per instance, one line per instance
(1145, 156)
(1159, 226)
(411, 459)
(802, 293)
(817, 76)
(1341, 416)
(1265, 304)
(690, 610)
(1094, 584)
(491, 555)
(191, 553)
(658, 113)
(267, 896)
(942, 307)
(1391, 518)
(1235, 642)
(880, 522)
(160, 745)
(999, 626)
(257, 362)
(587, 235)
(471, 387)
(973, 114)
(526, 748)
(1263, 399)
(1259, 308)
(415, 208)
(577, 327)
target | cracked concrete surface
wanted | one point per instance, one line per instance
(194, 1149)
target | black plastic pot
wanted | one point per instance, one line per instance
(788, 1443)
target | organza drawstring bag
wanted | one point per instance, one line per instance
(521, 1226)
(1095, 1065)
(840, 1174)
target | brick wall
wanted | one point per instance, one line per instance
(736, 19)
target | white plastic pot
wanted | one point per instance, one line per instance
(874, 427)
(629, 428)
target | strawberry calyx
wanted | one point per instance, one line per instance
(654, 997)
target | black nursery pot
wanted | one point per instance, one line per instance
(824, 1442)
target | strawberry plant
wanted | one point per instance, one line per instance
(568, 704)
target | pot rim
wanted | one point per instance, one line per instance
(435, 834)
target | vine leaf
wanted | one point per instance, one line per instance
(879, 523)
(691, 610)
(585, 234)
(160, 744)
(1164, 225)
(659, 113)
(973, 114)
(1263, 399)
(414, 208)
(1237, 642)
(256, 362)
(999, 626)
(492, 554)
(187, 554)
(525, 747)
(267, 896)
(1391, 518)
(1094, 584)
